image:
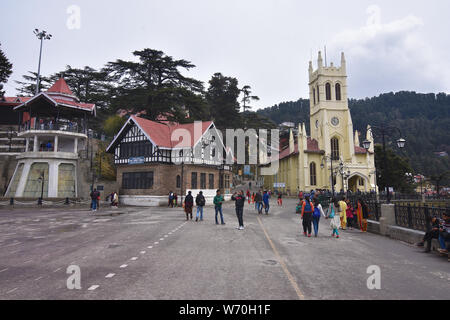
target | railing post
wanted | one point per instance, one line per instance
(427, 218)
(11, 201)
(409, 216)
(67, 201)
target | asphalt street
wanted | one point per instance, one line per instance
(154, 253)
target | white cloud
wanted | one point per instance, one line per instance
(390, 57)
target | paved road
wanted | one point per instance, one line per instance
(153, 253)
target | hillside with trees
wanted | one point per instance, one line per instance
(424, 120)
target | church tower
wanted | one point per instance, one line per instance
(330, 119)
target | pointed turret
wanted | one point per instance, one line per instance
(310, 69)
(369, 137)
(356, 140)
(343, 63)
(291, 142)
(320, 61)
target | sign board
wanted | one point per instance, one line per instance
(247, 170)
(100, 188)
(279, 185)
(137, 160)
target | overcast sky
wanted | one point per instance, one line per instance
(389, 45)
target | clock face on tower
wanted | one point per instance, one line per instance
(335, 121)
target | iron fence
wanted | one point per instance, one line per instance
(417, 216)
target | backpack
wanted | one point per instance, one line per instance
(316, 213)
(308, 207)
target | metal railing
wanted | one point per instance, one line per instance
(67, 126)
(417, 216)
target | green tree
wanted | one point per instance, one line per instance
(113, 124)
(27, 87)
(5, 70)
(222, 97)
(154, 84)
(395, 174)
(247, 98)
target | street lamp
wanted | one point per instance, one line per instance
(41, 35)
(322, 165)
(384, 131)
(41, 179)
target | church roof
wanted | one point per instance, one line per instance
(312, 147)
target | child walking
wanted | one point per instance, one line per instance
(335, 218)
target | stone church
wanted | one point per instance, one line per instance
(331, 153)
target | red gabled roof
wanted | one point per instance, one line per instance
(13, 101)
(359, 150)
(80, 105)
(312, 145)
(61, 86)
(161, 133)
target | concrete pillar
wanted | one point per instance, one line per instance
(75, 146)
(53, 179)
(55, 148)
(23, 179)
(387, 218)
(27, 144)
(36, 146)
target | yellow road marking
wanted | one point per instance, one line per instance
(282, 263)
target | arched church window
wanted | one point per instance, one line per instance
(178, 181)
(328, 91)
(314, 96)
(318, 94)
(312, 174)
(335, 148)
(338, 91)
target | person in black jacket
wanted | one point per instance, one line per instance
(259, 201)
(188, 204)
(200, 202)
(239, 199)
(431, 234)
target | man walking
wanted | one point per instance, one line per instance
(307, 211)
(258, 200)
(266, 200)
(188, 204)
(239, 199)
(200, 202)
(94, 199)
(218, 199)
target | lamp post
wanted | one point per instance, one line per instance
(41, 35)
(326, 158)
(384, 131)
(42, 180)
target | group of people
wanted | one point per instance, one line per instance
(173, 199)
(440, 229)
(113, 197)
(340, 212)
(260, 199)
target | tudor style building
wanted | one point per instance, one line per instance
(154, 158)
(305, 163)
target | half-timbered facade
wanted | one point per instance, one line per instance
(154, 158)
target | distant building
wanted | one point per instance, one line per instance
(152, 161)
(304, 160)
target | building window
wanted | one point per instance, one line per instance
(194, 180)
(318, 94)
(202, 180)
(136, 149)
(361, 182)
(335, 148)
(137, 180)
(178, 181)
(312, 174)
(328, 91)
(338, 91)
(227, 181)
(211, 181)
(314, 96)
